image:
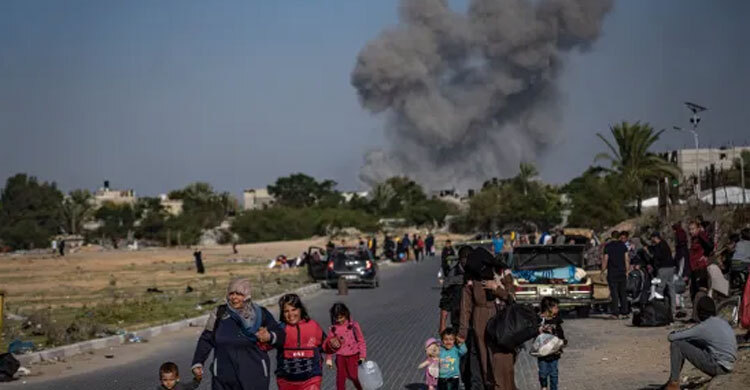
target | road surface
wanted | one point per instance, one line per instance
(396, 319)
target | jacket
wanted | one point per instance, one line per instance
(698, 246)
(238, 361)
(716, 335)
(662, 255)
(301, 356)
(351, 337)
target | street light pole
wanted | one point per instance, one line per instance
(697, 165)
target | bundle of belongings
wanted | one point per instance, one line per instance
(651, 306)
(570, 275)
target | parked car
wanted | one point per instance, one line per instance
(355, 265)
(578, 296)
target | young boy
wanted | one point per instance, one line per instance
(552, 323)
(450, 355)
(169, 379)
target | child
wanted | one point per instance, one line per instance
(552, 324)
(450, 355)
(353, 349)
(169, 378)
(431, 365)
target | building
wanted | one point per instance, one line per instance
(105, 194)
(171, 206)
(255, 199)
(692, 161)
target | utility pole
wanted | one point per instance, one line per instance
(697, 164)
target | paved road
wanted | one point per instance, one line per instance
(396, 319)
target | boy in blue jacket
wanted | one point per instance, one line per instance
(450, 355)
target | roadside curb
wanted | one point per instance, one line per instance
(67, 351)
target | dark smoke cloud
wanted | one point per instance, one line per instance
(469, 96)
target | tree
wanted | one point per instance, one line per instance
(597, 200)
(631, 158)
(203, 207)
(300, 190)
(116, 220)
(430, 212)
(152, 219)
(30, 213)
(382, 196)
(526, 173)
(516, 202)
(76, 209)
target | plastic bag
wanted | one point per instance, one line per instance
(370, 376)
(546, 344)
(513, 326)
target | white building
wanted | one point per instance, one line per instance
(105, 194)
(257, 198)
(692, 161)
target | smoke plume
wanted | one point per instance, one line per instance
(469, 95)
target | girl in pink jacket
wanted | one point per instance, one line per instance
(353, 349)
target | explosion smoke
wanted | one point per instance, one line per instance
(469, 96)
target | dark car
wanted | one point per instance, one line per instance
(316, 261)
(356, 265)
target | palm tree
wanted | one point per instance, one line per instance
(382, 196)
(526, 172)
(76, 208)
(630, 156)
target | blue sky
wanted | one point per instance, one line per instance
(153, 95)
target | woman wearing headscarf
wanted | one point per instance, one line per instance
(488, 289)
(240, 333)
(299, 361)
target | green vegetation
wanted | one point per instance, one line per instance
(29, 212)
(520, 202)
(112, 314)
(632, 160)
(32, 212)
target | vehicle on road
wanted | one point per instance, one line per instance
(575, 292)
(355, 265)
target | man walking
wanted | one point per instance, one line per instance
(664, 267)
(616, 263)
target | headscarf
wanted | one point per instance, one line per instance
(246, 313)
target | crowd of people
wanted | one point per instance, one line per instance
(476, 287)
(695, 267)
(409, 248)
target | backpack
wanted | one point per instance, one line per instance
(654, 313)
(8, 367)
(637, 285)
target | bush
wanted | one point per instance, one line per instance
(285, 223)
